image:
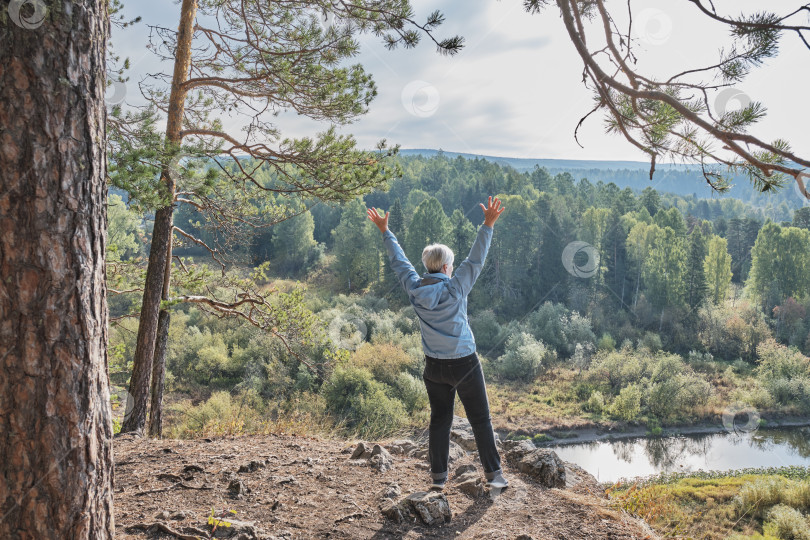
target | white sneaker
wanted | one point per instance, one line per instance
(437, 485)
(498, 482)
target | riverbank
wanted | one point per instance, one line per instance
(594, 432)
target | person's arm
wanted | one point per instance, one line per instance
(403, 268)
(468, 271)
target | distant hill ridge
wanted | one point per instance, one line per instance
(527, 164)
(677, 178)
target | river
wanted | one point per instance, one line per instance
(610, 460)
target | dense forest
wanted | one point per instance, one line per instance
(595, 302)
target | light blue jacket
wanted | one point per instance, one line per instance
(442, 305)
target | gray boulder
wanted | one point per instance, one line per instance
(517, 449)
(402, 446)
(237, 488)
(431, 507)
(361, 451)
(543, 465)
(380, 459)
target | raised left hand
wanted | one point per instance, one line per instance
(380, 221)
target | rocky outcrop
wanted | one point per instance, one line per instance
(374, 456)
(541, 464)
(430, 507)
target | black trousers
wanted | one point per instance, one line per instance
(443, 378)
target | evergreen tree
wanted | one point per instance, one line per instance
(390, 287)
(696, 286)
(671, 218)
(511, 254)
(429, 225)
(358, 258)
(294, 246)
(551, 276)
(462, 234)
(268, 56)
(615, 259)
(675, 115)
(650, 200)
(396, 221)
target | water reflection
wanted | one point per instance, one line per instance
(611, 460)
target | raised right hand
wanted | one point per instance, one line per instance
(492, 212)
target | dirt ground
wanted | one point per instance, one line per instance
(304, 488)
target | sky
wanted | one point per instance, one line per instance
(516, 89)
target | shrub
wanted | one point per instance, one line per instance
(595, 403)
(219, 415)
(524, 357)
(786, 522)
(559, 328)
(778, 361)
(754, 498)
(785, 372)
(669, 388)
(627, 405)
(546, 325)
(674, 391)
(650, 341)
(384, 360)
(606, 343)
(487, 330)
(582, 355)
(732, 332)
(362, 403)
(411, 392)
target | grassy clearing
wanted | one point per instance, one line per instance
(767, 503)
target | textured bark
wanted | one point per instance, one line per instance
(56, 467)
(159, 375)
(159, 362)
(138, 398)
(159, 266)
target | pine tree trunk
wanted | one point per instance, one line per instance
(159, 364)
(159, 376)
(147, 328)
(56, 463)
(160, 251)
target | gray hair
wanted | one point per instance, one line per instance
(435, 256)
